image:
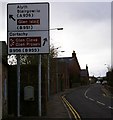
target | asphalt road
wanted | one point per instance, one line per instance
(91, 102)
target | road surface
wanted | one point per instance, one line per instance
(91, 102)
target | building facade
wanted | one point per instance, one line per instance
(65, 73)
(84, 76)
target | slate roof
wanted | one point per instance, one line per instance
(68, 59)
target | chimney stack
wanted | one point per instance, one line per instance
(86, 67)
(73, 54)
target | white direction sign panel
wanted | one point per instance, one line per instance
(28, 28)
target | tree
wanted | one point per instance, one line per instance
(32, 59)
(29, 59)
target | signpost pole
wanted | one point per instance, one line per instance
(18, 85)
(48, 76)
(39, 86)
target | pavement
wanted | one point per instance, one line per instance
(56, 107)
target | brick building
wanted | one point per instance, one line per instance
(65, 73)
(74, 71)
(84, 76)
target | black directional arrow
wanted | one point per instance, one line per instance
(44, 41)
(11, 17)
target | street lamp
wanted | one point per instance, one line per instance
(49, 65)
(57, 71)
(48, 73)
(56, 29)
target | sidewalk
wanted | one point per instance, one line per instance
(56, 108)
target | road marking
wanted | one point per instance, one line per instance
(91, 99)
(100, 103)
(70, 108)
(104, 95)
(86, 93)
(73, 111)
(65, 106)
(87, 96)
(110, 107)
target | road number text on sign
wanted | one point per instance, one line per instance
(28, 28)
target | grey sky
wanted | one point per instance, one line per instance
(87, 30)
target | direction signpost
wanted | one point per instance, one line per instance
(28, 28)
(28, 33)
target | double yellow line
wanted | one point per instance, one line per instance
(73, 111)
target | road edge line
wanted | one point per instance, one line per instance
(74, 112)
(65, 107)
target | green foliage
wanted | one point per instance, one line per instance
(29, 59)
(33, 59)
(53, 51)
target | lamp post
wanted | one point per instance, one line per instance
(56, 29)
(49, 64)
(57, 72)
(39, 82)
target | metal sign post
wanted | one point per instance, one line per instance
(28, 33)
(48, 76)
(18, 85)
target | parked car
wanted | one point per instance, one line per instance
(104, 82)
(98, 82)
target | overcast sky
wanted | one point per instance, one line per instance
(87, 30)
